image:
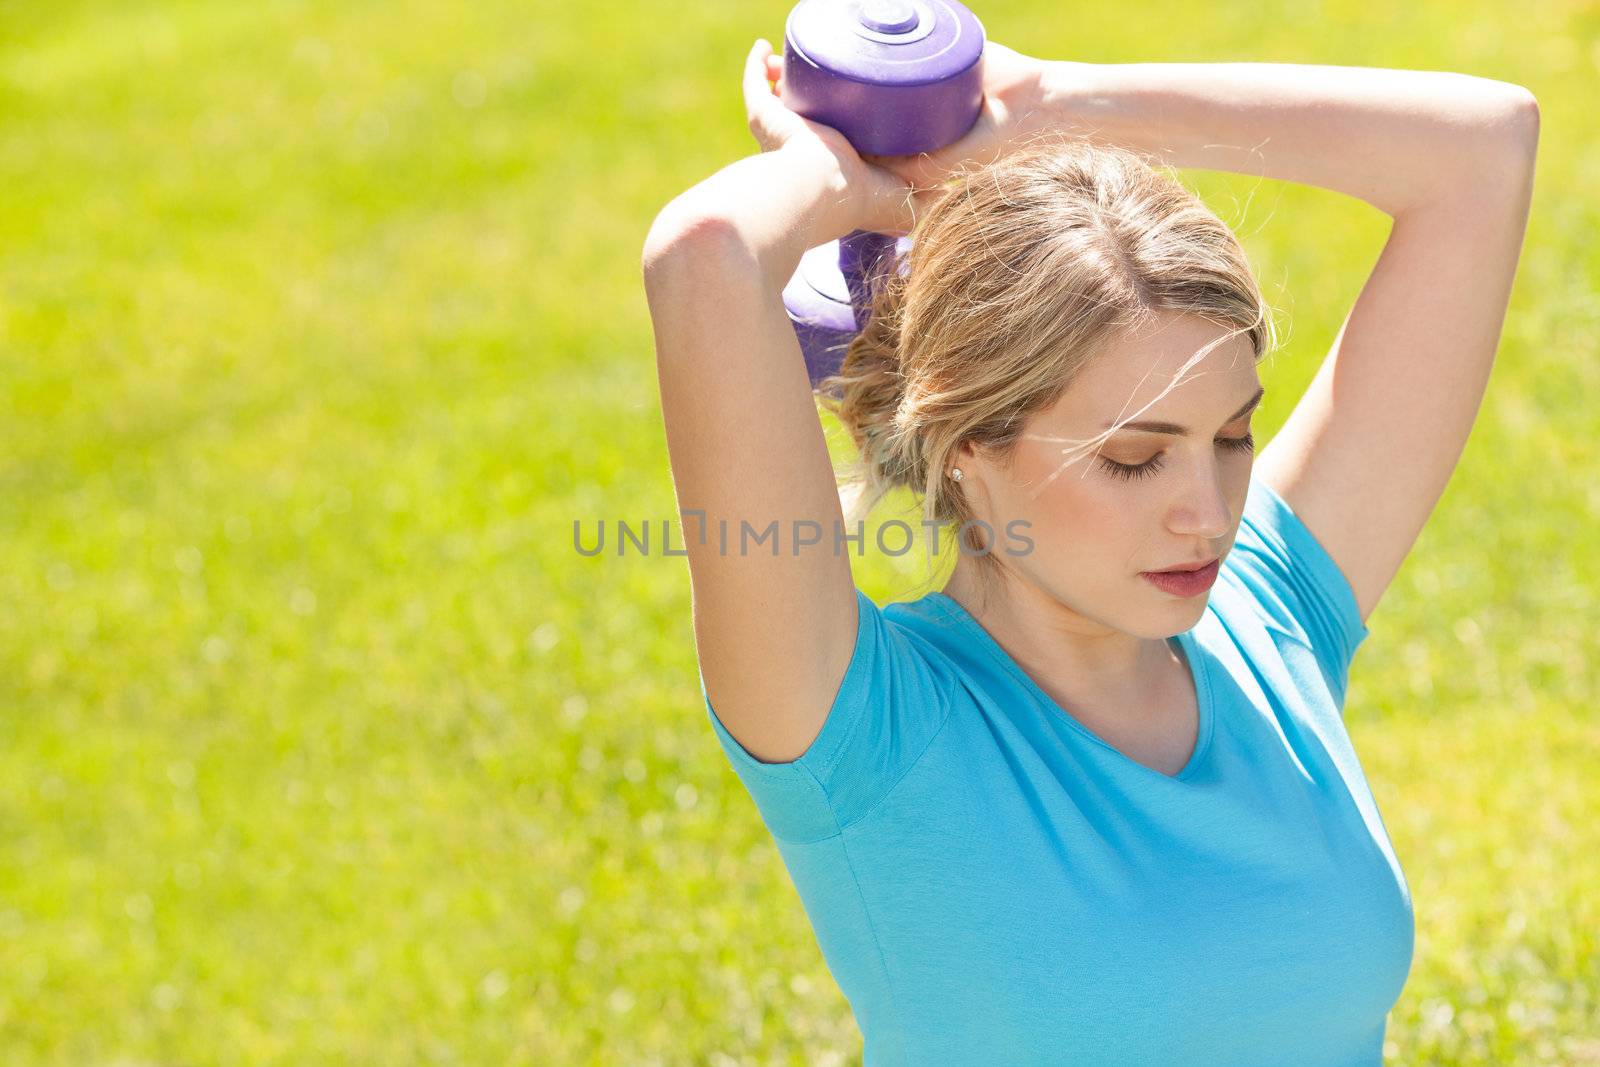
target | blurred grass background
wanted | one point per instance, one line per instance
(319, 743)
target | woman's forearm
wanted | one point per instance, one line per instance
(1392, 138)
(775, 205)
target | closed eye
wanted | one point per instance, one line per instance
(1127, 472)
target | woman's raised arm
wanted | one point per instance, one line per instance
(774, 618)
(1394, 138)
(773, 630)
(1368, 450)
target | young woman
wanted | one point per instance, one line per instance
(1065, 811)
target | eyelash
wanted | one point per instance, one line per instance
(1126, 472)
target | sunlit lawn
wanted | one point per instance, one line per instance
(319, 743)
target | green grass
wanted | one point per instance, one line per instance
(318, 741)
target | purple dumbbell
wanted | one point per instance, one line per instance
(896, 77)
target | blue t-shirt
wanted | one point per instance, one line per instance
(991, 883)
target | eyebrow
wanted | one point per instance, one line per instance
(1179, 431)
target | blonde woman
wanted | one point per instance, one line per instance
(1066, 810)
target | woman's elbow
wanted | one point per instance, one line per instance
(680, 228)
(1518, 118)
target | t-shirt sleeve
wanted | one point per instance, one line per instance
(1295, 584)
(893, 699)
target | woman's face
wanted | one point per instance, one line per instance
(1095, 526)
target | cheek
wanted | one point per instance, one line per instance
(1115, 523)
(1084, 521)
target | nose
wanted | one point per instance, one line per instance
(1203, 509)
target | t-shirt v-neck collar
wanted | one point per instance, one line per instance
(1193, 654)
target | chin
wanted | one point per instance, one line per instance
(1191, 608)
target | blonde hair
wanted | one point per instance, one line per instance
(1018, 275)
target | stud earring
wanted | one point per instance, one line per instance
(955, 474)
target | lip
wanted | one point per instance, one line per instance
(1185, 568)
(1184, 583)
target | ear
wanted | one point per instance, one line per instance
(967, 457)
